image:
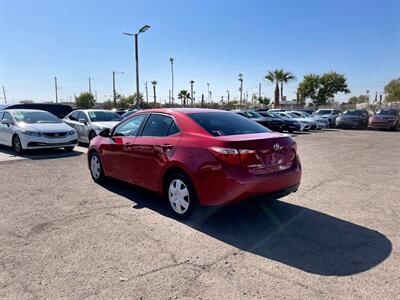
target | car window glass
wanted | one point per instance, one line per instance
(82, 115)
(74, 116)
(1, 116)
(157, 125)
(173, 129)
(130, 127)
(7, 116)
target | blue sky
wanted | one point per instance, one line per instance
(211, 42)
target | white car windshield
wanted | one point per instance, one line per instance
(35, 117)
(104, 116)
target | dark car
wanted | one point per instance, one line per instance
(288, 124)
(309, 111)
(271, 123)
(197, 157)
(385, 118)
(353, 118)
(59, 110)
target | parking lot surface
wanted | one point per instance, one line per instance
(62, 235)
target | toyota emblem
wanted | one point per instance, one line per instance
(277, 147)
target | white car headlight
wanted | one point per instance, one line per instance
(31, 133)
(71, 132)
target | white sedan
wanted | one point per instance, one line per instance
(24, 129)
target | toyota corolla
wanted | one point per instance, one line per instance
(197, 157)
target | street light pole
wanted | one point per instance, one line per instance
(241, 89)
(147, 92)
(56, 88)
(5, 97)
(172, 77)
(114, 90)
(141, 30)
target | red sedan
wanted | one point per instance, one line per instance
(197, 157)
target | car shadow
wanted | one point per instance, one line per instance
(39, 154)
(306, 239)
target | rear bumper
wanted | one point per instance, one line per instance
(234, 184)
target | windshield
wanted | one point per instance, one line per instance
(35, 117)
(352, 113)
(324, 112)
(290, 115)
(273, 115)
(253, 114)
(104, 116)
(386, 112)
(223, 123)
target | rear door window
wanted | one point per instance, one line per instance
(225, 123)
(160, 125)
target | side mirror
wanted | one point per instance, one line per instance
(105, 133)
(5, 122)
(82, 120)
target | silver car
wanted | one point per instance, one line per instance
(89, 122)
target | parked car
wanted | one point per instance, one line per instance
(59, 110)
(89, 122)
(385, 118)
(318, 121)
(119, 111)
(306, 110)
(129, 112)
(288, 124)
(312, 122)
(353, 118)
(271, 123)
(24, 129)
(304, 124)
(197, 157)
(329, 114)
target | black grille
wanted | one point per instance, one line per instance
(54, 134)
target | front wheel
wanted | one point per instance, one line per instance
(96, 168)
(181, 195)
(17, 145)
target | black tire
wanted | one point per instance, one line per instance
(69, 148)
(180, 211)
(17, 145)
(396, 126)
(91, 136)
(96, 172)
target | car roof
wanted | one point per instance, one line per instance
(24, 109)
(187, 110)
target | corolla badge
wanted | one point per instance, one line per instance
(276, 147)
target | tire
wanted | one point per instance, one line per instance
(181, 195)
(96, 168)
(91, 136)
(17, 145)
(396, 126)
(69, 149)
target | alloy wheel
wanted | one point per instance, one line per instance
(95, 167)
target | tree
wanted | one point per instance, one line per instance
(285, 77)
(129, 101)
(85, 100)
(26, 101)
(275, 77)
(358, 99)
(321, 88)
(183, 96)
(108, 104)
(265, 101)
(392, 90)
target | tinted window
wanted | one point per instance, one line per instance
(103, 116)
(74, 116)
(1, 115)
(390, 112)
(130, 127)
(83, 116)
(158, 125)
(223, 123)
(35, 117)
(352, 112)
(8, 117)
(324, 112)
(173, 129)
(252, 114)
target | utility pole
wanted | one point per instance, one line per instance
(202, 100)
(114, 92)
(228, 96)
(259, 91)
(241, 90)
(208, 92)
(4, 94)
(171, 60)
(191, 91)
(56, 88)
(147, 92)
(169, 96)
(90, 86)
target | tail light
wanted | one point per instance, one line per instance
(228, 155)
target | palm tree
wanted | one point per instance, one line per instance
(154, 83)
(285, 78)
(183, 95)
(275, 77)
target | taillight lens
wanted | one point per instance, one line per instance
(228, 155)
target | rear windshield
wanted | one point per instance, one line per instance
(104, 116)
(223, 123)
(324, 112)
(387, 112)
(352, 112)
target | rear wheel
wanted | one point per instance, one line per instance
(96, 168)
(17, 145)
(181, 195)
